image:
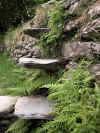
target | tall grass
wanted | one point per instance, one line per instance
(17, 81)
(10, 74)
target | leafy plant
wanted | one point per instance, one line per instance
(13, 13)
(51, 41)
(19, 126)
(21, 81)
(77, 105)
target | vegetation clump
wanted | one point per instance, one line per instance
(77, 100)
(51, 41)
(21, 81)
(14, 13)
(77, 106)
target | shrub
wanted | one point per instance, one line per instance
(77, 106)
(21, 81)
(51, 41)
(15, 12)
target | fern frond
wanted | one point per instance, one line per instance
(20, 126)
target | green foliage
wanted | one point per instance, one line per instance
(15, 12)
(30, 86)
(77, 105)
(19, 126)
(10, 74)
(51, 41)
(25, 126)
(21, 81)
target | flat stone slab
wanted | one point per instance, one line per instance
(33, 108)
(50, 64)
(35, 32)
(7, 104)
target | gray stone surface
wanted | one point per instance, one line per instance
(74, 49)
(35, 32)
(7, 104)
(50, 64)
(94, 10)
(33, 108)
(71, 66)
(69, 27)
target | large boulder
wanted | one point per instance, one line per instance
(74, 49)
(78, 49)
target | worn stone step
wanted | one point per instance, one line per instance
(35, 107)
(35, 32)
(49, 64)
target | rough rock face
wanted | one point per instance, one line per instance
(71, 66)
(91, 31)
(71, 26)
(26, 47)
(76, 49)
(40, 19)
(74, 5)
(85, 41)
(24, 42)
(94, 10)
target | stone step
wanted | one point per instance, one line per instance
(35, 32)
(35, 107)
(49, 64)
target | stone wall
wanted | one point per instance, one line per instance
(85, 41)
